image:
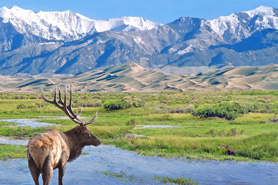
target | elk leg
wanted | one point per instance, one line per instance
(62, 170)
(47, 171)
(34, 170)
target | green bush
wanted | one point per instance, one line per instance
(227, 110)
(114, 105)
(21, 106)
(131, 122)
(122, 103)
(32, 107)
(133, 102)
(92, 103)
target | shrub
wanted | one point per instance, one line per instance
(274, 119)
(133, 102)
(21, 106)
(33, 106)
(93, 103)
(122, 103)
(114, 105)
(235, 132)
(131, 122)
(227, 110)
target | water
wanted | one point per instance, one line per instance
(9, 141)
(138, 169)
(22, 123)
(28, 123)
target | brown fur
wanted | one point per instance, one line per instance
(53, 149)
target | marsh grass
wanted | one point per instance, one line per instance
(12, 151)
(165, 180)
(121, 176)
(22, 132)
(251, 135)
(180, 180)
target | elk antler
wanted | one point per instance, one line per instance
(67, 108)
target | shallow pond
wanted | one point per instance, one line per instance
(137, 169)
(9, 141)
(28, 123)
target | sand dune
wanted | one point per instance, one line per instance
(131, 77)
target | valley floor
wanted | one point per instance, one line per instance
(238, 125)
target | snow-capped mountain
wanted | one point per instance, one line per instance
(238, 26)
(67, 42)
(67, 25)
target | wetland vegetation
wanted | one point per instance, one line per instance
(223, 125)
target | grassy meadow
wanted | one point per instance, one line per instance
(222, 125)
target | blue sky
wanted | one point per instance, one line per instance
(162, 11)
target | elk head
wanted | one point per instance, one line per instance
(83, 136)
(80, 133)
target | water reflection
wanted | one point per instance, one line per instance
(28, 123)
(137, 169)
(87, 169)
(9, 141)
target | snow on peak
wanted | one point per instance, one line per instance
(137, 22)
(222, 23)
(266, 18)
(124, 24)
(3, 11)
(234, 27)
(16, 8)
(67, 24)
(261, 10)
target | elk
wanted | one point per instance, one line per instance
(53, 149)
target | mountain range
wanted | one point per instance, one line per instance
(69, 43)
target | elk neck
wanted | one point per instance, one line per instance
(74, 145)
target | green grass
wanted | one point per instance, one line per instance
(22, 132)
(179, 180)
(252, 135)
(260, 147)
(165, 180)
(122, 177)
(12, 151)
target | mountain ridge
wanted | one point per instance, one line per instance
(187, 44)
(67, 25)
